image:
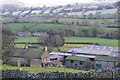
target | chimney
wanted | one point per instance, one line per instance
(26, 46)
(14, 46)
(45, 48)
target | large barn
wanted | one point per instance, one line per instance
(97, 50)
(101, 56)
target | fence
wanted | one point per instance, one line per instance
(27, 75)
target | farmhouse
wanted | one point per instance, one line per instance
(27, 56)
(24, 57)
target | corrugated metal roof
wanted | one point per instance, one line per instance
(55, 56)
(99, 50)
(60, 53)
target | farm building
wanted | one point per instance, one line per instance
(38, 34)
(99, 62)
(97, 50)
(24, 34)
(100, 56)
(45, 58)
(30, 34)
(75, 62)
(102, 62)
(56, 57)
(26, 56)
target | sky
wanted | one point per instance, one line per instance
(57, 2)
(52, 2)
(36, 3)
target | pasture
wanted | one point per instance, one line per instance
(34, 27)
(41, 69)
(100, 41)
(26, 39)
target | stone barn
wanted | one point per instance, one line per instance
(103, 62)
(75, 62)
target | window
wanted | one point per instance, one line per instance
(71, 61)
(75, 65)
(80, 63)
(98, 66)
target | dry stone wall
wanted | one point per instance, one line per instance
(27, 75)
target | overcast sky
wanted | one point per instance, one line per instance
(50, 2)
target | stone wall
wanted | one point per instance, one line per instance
(27, 75)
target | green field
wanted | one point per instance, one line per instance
(26, 39)
(33, 27)
(102, 42)
(17, 27)
(42, 69)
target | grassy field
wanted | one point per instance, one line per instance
(33, 27)
(17, 26)
(102, 42)
(27, 39)
(41, 69)
(67, 47)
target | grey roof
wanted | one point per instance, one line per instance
(55, 56)
(25, 53)
(97, 50)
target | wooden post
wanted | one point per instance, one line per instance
(19, 64)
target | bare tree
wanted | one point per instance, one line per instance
(52, 40)
(88, 64)
(7, 43)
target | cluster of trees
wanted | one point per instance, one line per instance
(75, 32)
(8, 39)
(51, 40)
